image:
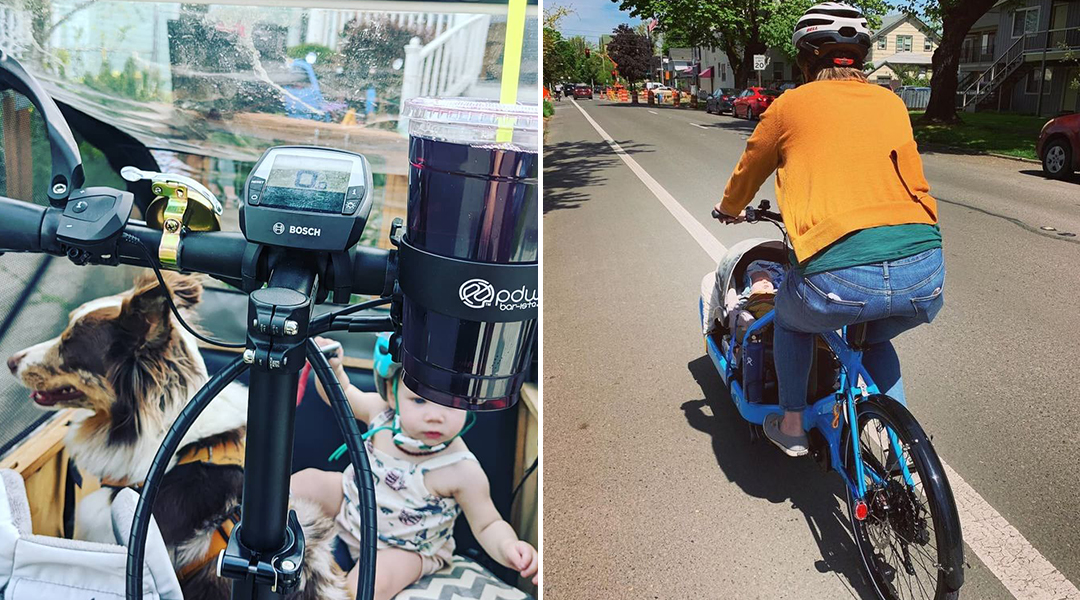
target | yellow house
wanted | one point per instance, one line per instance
(902, 42)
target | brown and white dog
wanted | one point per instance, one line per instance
(129, 368)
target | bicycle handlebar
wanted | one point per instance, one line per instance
(26, 227)
(753, 215)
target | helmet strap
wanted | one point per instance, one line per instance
(411, 445)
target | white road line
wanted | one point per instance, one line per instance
(696, 230)
(654, 112)
(1001, 547)
(1005, 551)
(699, 126)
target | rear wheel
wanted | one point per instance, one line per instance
(910, 540)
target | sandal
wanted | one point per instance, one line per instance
(790, 445)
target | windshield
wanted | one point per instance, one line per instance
(209, 87)
(770, 92)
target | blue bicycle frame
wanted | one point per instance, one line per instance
(823, 414)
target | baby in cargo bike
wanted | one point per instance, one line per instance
(740, 292)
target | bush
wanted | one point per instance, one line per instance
(322, 53)
(549, 109)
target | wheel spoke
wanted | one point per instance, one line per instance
(887, 535)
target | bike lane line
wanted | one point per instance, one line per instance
(1022, 569)
(710, 244)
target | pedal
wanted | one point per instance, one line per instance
(819, 450)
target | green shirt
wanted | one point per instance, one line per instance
(874, 245)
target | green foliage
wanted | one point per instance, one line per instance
(560, 62)
(549, 109)
(908, 75)
(136, 84)
(565, 60)
(322, 53)
(740, 27)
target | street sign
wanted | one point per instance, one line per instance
(759, 62)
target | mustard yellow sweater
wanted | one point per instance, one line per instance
(845, 160)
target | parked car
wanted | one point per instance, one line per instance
(1058, 146)
(752, 102)
(659, 91)
(720, 100)
(582, 90)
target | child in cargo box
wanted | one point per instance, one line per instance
(424, 476)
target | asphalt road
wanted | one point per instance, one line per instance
(652, 488)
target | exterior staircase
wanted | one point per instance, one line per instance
(980, 87)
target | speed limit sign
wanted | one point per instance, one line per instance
(759, 62)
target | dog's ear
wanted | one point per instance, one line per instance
(186, 289)
(144, 315)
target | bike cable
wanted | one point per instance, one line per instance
(328, 318)
(524, 478)
(168, 295)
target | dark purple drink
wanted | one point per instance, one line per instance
(473, 199)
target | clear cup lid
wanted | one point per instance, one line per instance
(475, 122)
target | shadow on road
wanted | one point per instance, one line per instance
(570, 168)
(1075, 179)
(764, 472)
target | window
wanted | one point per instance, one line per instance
(903, 43)
(988, 45)
(778, 71)
(884, 79)
(723, 72)
(927, 45)
(882, 42)
(1025, 20)
(1032, 86)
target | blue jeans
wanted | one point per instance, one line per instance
(892, 296)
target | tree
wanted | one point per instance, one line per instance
(909, 75)
(741, 28)
(555, 50)
(956, 17)
(632, 53)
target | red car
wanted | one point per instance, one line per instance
(752, 102)
(582, 90)
(1059, 146)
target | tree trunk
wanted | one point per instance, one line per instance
(955, 25)
(742, 65)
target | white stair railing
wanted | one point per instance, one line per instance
(325, 26)
(447, 65)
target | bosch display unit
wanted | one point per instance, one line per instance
(307, 198)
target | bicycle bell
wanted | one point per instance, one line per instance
(180, 204)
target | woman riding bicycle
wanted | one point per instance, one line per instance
(863, 226)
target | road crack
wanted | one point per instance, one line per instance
(1014, 221)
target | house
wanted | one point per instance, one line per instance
(1023, 56)
(716, 70)
(902, 43)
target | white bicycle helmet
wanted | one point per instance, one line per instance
(833, 27)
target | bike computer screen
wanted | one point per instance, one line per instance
(308, 198)
(307, 183)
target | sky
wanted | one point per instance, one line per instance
(591, 18)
